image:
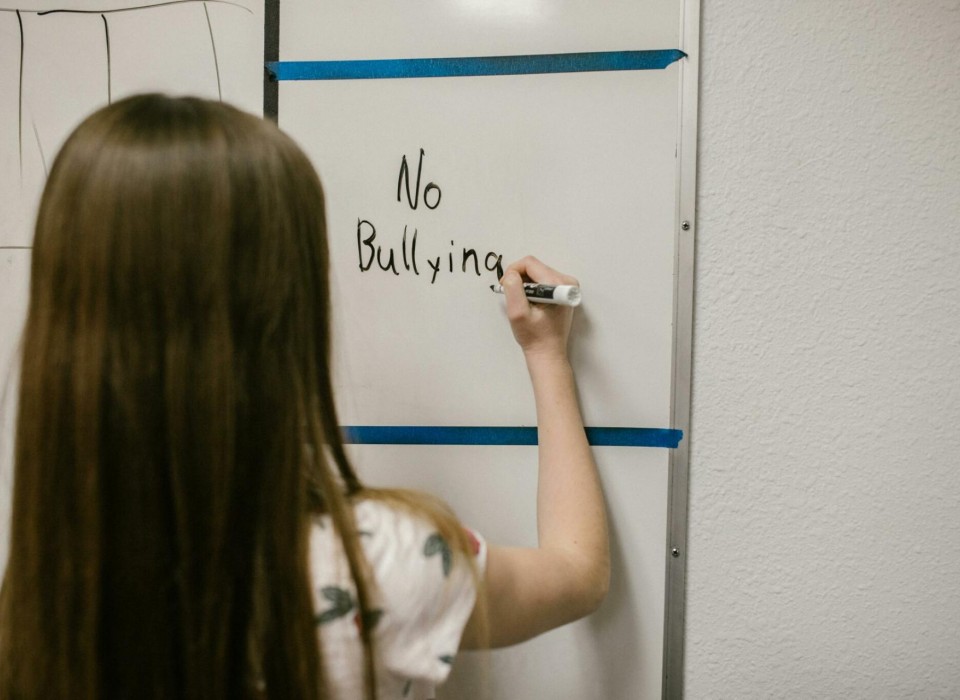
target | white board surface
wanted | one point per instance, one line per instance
(61, 61)
(617, 652)
(14, 280)
(579, 169)
(55, 68)
(526, 164)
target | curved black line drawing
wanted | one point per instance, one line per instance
(65, 10)
(20, 98)
(24, 148)
(106, 31)
(213, 44)
(19, 12)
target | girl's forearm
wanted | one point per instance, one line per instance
(571, 519)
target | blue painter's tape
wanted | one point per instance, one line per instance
(495, 435)
(634, 437)
(473, 66)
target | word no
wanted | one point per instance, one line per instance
(404, 180)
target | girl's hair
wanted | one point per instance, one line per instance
(176, 421)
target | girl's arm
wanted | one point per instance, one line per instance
(532, 590)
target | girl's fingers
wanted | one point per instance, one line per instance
(536, 271)
(516, 300)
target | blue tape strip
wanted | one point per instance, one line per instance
(464, 435)
(480, 65)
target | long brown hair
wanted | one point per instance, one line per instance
(176, 422)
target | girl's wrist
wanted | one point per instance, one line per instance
(539, 360)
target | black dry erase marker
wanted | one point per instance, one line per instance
(564, 294)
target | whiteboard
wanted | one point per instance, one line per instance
(58, 66)
(61, 61)
(589, 171)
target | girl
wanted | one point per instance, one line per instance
(186, 523)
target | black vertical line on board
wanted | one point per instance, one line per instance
(271, 52)
(106, 33)
(213, 44)
(20, 98)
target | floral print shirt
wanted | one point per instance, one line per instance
(421, 601)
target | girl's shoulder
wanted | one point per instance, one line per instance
(394, 539)
(423, 590)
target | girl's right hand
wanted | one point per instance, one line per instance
(540, 329)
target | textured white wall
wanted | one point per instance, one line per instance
(824, 556)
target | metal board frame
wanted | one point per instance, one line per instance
(685, 231)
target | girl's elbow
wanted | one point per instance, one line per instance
(599, 587)
(593, 585)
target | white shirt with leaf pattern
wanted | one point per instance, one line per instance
(423, 595)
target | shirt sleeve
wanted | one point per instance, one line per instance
(426, 591)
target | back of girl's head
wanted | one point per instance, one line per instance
(175, 363)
